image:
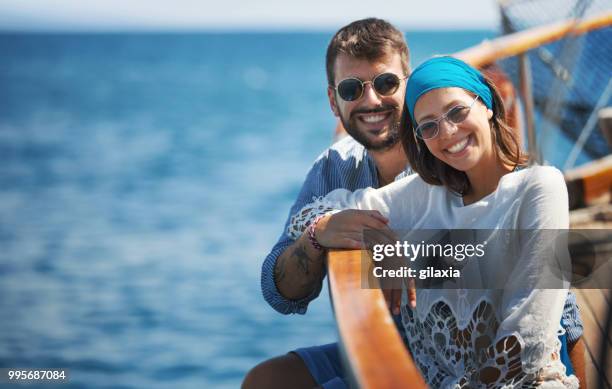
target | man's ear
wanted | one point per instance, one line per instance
(331, 95)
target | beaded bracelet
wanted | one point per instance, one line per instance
(311, 233)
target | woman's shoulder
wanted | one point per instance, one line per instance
(541, 170)
(542, 177)
(544, 198)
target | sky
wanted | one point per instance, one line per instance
(96, 15)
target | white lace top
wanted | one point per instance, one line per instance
(508, 338)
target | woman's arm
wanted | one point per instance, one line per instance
(393, 200)
(335, 202)
(533, 298)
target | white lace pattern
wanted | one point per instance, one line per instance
(474, 355)
(304, 217)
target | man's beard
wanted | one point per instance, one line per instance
(352, 128)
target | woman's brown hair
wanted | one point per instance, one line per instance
(506, 143)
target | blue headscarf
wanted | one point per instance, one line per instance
(445, 72)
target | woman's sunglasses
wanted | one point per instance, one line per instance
(351, 89)
(457, 114)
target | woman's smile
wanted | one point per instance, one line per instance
(459, 148)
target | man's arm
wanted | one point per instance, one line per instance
(283, 253)
(268, 282)
(281, 286)
(299, 270)
(293, 272)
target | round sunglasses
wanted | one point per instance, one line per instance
(385, 84)
(455, 115)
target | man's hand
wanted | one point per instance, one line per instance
(393, 297)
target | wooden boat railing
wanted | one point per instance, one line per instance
(518, 43)
(370, 341)
(371, 345)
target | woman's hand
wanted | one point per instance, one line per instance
(344, 230)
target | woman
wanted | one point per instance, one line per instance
(471, 175)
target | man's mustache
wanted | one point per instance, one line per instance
(381, 108)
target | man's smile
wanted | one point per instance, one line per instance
(374, 120)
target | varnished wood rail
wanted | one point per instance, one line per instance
(510, 45)
(370, 341)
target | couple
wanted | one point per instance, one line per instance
(469, 174)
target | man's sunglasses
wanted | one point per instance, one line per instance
(430, 129)
(351, 89)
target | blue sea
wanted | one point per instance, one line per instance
(143, 179)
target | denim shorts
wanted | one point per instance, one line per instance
(325, 365)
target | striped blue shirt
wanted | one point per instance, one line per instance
(346, 164)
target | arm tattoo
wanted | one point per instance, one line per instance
(310, 281)
(307, 280)
(279, 269)
(302, 258)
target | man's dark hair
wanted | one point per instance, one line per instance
(369, 39)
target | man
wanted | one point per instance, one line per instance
(367, 64)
